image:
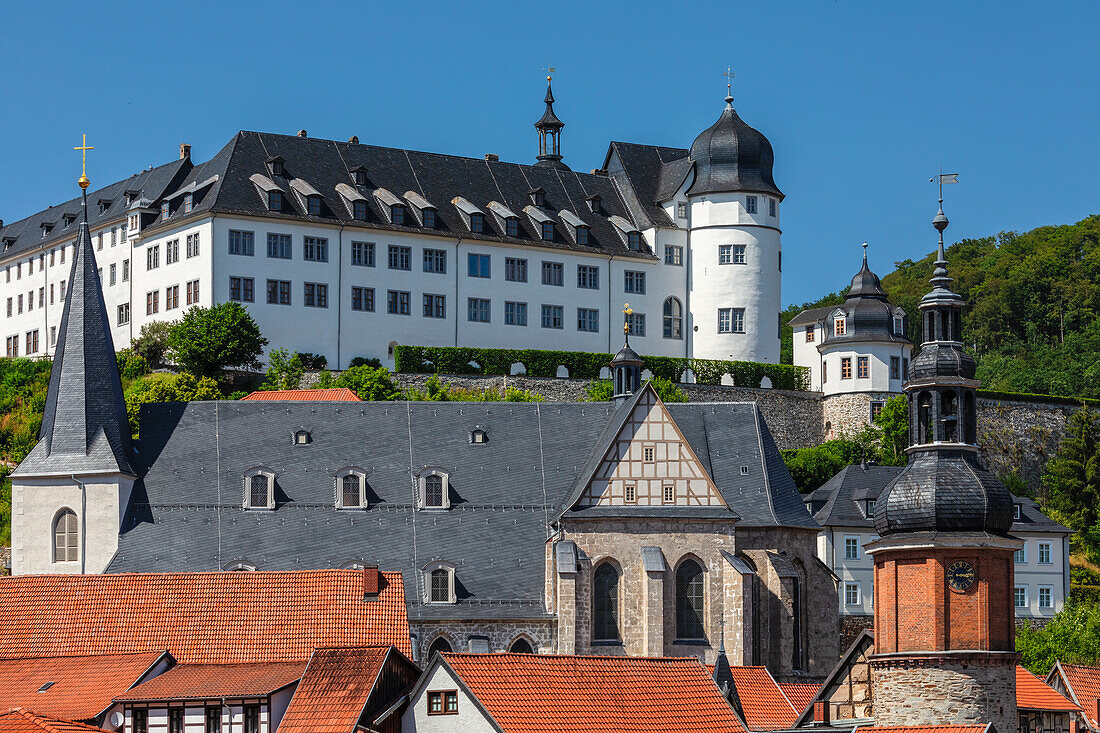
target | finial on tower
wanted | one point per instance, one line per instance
(865, 254)
(627, 313)
(729, 85)
(940, 222)
(84, 148)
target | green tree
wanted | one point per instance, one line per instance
(1072, 636)
(602, 390)
(893, 427)
(284, 371)
(1071, 480)
(152, 343)
(167, 388)
(5, 507)
(811, 467)
(208, 340)
(370, 383)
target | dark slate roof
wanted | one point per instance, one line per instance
(640, 178)
(84, 424)
(437, 178)
(150, 184)
(811, 315)
(942, 360)
(731, 156)
(186, 511)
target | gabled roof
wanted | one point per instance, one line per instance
(334, 394)
(1034, 694)
(864, 642)
(639, 178)
(200, 618)
(581, 694)
(1083, 684)
(21, 720)
(207, 681)
(80, 688)
(762, 702)
(801, 694)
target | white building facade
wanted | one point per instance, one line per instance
(345, 250)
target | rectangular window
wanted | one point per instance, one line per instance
(515, 314)
(125, 272)
(175, 720)
(152, 302)
(895, 367)
(863, 367)
(251, 719)
(1045, 554)
(731, 254)
(511, 226)
(359, 210)
(400, 258)
(362, 254)
(477, 223)
(548, 231)
(904, 368)
(899, 326)
(478, 265)
(1016, 511)
(851, 548)
(636, 321)
(648, 453)
(582, 235)
(315, 249)
(242, 243)
(515, 269)
(171, 251)
(241, 289)
(846, 367)
(750, 204)
(731, 320)
(553, 273)
(362, 299)
(315, 295)
(443, 702)
(838, 327)
(477, 310)
(674, 254)
(192, 245)
(113, 272)
(11, 345)
(629, 494)
(213, 720)
(588, 277)
(171, 297)
(851, 594)
(1046, 596)
(32, 341)
(275, 200)
(140, 721)
(429, 218)
(435, 260)
(876, 410)
(668, 495)
(588, 319)
(434, 306)
(152, 257)
(771, 208)
(193, 292)
(62, 288)
(810, 331)
(1019, 594)
(552, 316)
(278, 246)
(20, 302)
(738, 254)
(681, 210)
(278, 292)
(634, 282)
(1020, 555)
(42, 296)
(9, 307)
(397, 302)
(114, 237)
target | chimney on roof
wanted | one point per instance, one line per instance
(492, 157)
(372, 582)
(185, 151)
(302, 133)
(354, 139)
(599, 172)
(821, 712)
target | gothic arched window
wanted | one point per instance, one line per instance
(65, 540)
(605, 603)
(521, 646)
(674, 319)
(689, 601)
(440, 645)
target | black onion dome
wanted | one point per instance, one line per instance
(866, 284)
(942, 360)
(730, 156)
(944, 491)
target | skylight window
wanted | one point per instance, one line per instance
(47, 686)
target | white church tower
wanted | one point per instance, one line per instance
(733, 243)
(69, 494)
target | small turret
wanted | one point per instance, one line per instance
(549, 129)
(626, 366)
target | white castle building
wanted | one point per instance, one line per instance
(345, 250)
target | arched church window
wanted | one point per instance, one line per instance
(949, 416)
(924, 418)
(605, 603)
(970, 425)
(674, 319)
(65, 537)
(440, 645)
(521, 646)
(689, 601)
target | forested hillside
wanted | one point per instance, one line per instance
(1033, 301)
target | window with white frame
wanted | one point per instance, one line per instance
(1016, 511)
(434, 489)
(852, 594)
(681, 209)
(440, 583)
(839, 326)
(1045, 554)
(1020, 555)
(634, 282)
(731, 320)
(351, 489)
(259, 489)
(851, 548)
(1046, 596)
(750, 204)
(1019, 595)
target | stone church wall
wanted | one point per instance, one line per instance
(501, 635)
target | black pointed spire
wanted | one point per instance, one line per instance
(549, 129)
(84, 425)
(866, 284)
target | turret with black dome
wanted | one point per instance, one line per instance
(730, 156)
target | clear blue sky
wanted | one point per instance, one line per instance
(862, 101)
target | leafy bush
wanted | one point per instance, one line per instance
(811, 467)
(167, 388)
(152, 343)
(603, 390)
(313, 362)
(438, 391)
(1072, 635)
(208, 340)
(239, 394)
(23, 384)
(366, 361)
(131, 365)
(5, 507)
(283, 371)
(370, 383)
(587, 365)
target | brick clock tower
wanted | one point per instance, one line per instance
(944, 615)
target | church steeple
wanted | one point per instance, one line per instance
(549, 129)
(84, 425)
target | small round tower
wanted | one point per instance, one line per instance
(733, 238)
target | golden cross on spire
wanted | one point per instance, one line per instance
(84, 148)
(549, 70)
(729, 80)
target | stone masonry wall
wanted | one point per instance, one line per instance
(501, 634)
(942, 691)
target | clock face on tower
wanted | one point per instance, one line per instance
(961, 575)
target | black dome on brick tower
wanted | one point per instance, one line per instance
(549, 128)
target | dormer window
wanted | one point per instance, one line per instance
(548, 231)
(313, 205)
(131, 197)
(360, 177)
(434, 489)
(478, 436)
(429, 218)
(594, 204)
(582, 235)
(511, 226)
(104, 204)
(165, 210)
(397, 214)
(870, 507)
(477, 223)
(259, 489)
(188, 203)
(634, 241)
(359, 210)
(303, 437)
(899, 325)
(839, 326)
(681, 210)
(275, 165)
(46, 230)
(538, 197)
(275, 200)
(351, 489)
(68, 220)
(439, 582)
(1016, 512)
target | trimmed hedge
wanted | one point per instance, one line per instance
(586, 365)
(1026, 397)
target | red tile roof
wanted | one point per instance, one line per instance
(1085, 684)
(525, 693)
(18, 720)
(801, 694)
(1034, 694)
(82, 687)
(334, 690)
(203, 681)
(763, 703)
(335, 394)
(201, 618)
(930, 729)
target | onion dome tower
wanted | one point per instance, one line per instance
(549, 129)
(944, 615)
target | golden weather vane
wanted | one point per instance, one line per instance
(549, 71)
(84, 148)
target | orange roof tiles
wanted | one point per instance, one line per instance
(763, 703)
(334, 690)
(335, 394)
(203, 681)
(801, 694)
(82, 687)
(18, 720)
(201, 618)
(525, 693)
(930, 729)
(1085, 683)
(1034, 694)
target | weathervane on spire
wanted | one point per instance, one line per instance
(549, 71)
(940, 222)
(627, 313)
(84, 148)
(729, 83)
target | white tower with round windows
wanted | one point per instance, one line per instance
(734, 247)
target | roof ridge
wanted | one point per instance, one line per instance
(547, 657)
